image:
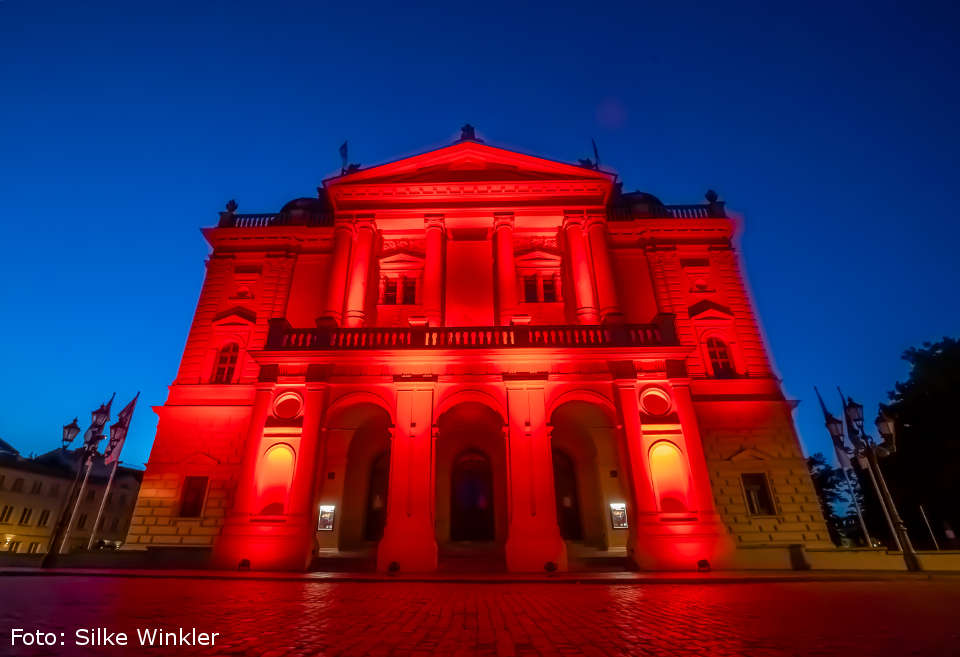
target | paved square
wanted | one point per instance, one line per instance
(896, 618)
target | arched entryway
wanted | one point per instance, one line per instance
(568, 497)
(471, 498)
(471, 488)
(589, 481)
(376, 511)
(353, 479)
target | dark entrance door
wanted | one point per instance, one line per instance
(376, 516)
(568, 502)
(471, 498)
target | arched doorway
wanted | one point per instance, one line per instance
(352, 484)
(471, 489)
(568, 499)
(471, 498)
(376, 517)
(589, 482)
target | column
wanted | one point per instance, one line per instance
(359, 273)
(580, 270)
(609, 306)
(643, 506)
(238, 540)
(709, 539)
(506, 271)
(433, 269)
(337, 276)
(533, 538)
(305, 473)
(409, 543)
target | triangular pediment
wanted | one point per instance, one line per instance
(749, 454)
(538, 258)
(401, 260)
(466, 168)
(234, 316)
(708, 309)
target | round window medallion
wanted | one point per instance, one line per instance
(287, 405)
(654, 401)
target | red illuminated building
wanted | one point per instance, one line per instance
(477, 347)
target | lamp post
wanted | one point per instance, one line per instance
(835, 429)
(867, 448)
(73, 495)
(91, 440)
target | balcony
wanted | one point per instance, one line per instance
(660, 333)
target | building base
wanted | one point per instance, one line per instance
(263, 546)
(536, 553)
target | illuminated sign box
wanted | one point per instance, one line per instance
(618, 515)
(325, 524)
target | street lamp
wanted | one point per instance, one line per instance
(70, 432)
(867, 450)
(887, 430)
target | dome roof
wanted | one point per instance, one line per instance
(306, 212)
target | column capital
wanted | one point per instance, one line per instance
(573, 218)
(502, 220)
(365, 221)
(431, 221)
(595, 219)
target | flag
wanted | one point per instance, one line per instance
(118, 432)
(343, 155)
(838, 447)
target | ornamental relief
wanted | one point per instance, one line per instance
(412, 246)
(537, 243)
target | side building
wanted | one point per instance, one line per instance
(33, 492)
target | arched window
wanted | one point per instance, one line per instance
(226, 363)
(671, 477)
(274, 477)
(719, 354)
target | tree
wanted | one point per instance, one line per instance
(829, 484)
(925, 468)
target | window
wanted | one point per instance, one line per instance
(54, 490)
(719, 355)
(6, 513)
(91, 494)
(114, 524)
(540, 288)
(34, 548)
(25, 516)
(390, 291)
(549, 290)
(759, 498)
(399, 291)
(17, 485)
(82, 521)
(530, 289)
(44, 517)
(226, 363)
(14, 546)
(3, 478)
(37, 487)
(191, 497)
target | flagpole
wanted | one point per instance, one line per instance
(103, 503)
(76, 505)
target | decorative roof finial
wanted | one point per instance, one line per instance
(231, 206)
(468, 133)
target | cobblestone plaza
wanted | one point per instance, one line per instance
(896, 617)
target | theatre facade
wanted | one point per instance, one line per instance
(474, 355)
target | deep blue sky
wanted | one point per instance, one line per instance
(832, 128)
